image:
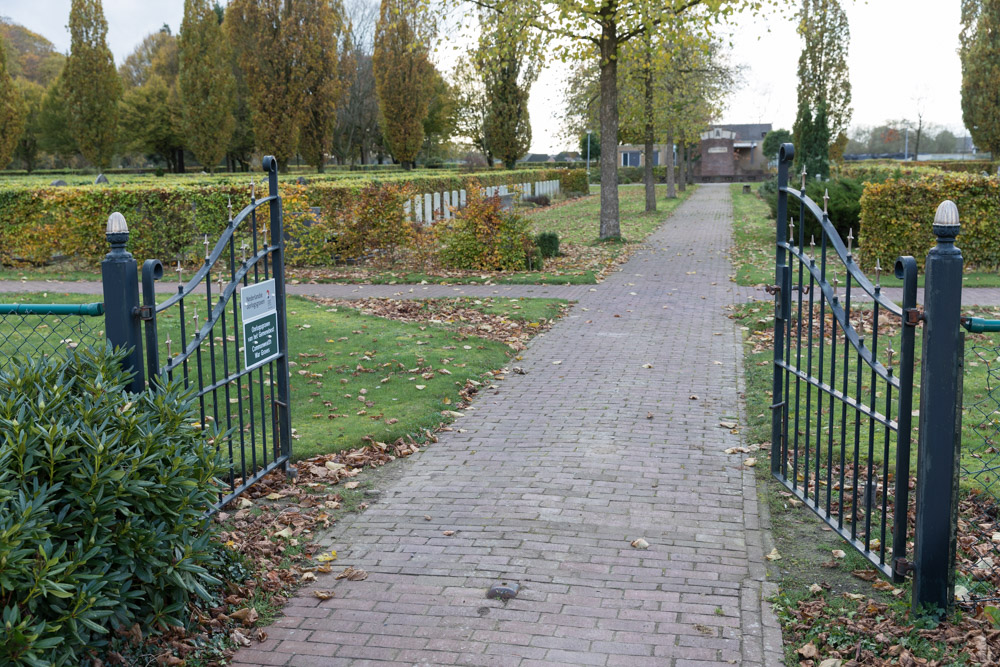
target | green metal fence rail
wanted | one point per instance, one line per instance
(980, 325)
(81, 309)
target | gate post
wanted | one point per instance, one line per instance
(120, 279)
(940, 423)
(782, 277)
(278, 264)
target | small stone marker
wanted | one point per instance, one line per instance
(58, 183)
(101, 178)
(503, 591)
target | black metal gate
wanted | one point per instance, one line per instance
(230, 341)
(841, 422)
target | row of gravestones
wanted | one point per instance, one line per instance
(427, 207)
(58, 183)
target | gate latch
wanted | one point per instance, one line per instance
(902, 567)
(772, 289)
(145, 313)
(913, 316)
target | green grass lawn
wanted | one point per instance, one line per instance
(353, 375)
(578, 221)
(753, 247)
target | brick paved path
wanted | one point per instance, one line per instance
(548, 481)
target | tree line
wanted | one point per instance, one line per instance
(294, 78)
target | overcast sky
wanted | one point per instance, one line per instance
(902, 56)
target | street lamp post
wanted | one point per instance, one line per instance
(588, 155)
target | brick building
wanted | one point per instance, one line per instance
(732, 152)
(725, 153)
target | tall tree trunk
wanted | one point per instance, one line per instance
(671, 179)
(690, 163)
(647, 174)
(682, 167)
(610, 228)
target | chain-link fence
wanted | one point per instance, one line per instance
(39, 330)
(978, 547)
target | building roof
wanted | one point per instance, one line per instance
(535, 157)
(747, 131)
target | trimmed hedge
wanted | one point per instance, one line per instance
(877, 172)
(573, 182)
(896, 218)
(103, 497)
(168, 221)
(964, 166)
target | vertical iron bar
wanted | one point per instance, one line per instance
(809, 386)
(843, 411)
(857, 448)
(829, 426)
(785, 155)
(225, 374)
(819, 391)
(236, 359)
(906, 269)
(183, 341)
(798, 357)
(885, 470)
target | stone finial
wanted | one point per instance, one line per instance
(117, 224)
(947, 214)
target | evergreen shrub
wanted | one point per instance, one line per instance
(548, 244)
(103, 497)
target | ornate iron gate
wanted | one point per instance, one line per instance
(196, 335)
(841, 415)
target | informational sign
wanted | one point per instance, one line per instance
(259, 310)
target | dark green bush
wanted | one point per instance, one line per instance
(102, 507)
(844, 205)
(548, 244)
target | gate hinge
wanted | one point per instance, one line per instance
(913, 316)
(772, 289)
(902, 567)
(144, 313)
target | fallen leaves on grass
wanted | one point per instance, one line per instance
(861, 631)
(469, 317)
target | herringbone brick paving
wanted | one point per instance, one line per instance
(612, 435)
